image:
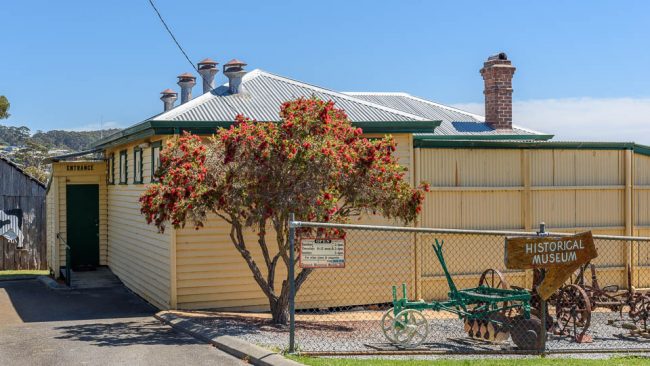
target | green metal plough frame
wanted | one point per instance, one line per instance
(484, 309)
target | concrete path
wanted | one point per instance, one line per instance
(108, 326)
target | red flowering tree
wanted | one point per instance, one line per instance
(253, 175)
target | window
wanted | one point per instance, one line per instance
(155, 158)
(137, 165)
(110, 177)
(123, 167)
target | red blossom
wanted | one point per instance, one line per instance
(314, 163)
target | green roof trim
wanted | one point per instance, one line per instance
(151, 128)
(499, 137)
(640, 149)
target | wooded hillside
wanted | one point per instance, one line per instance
(54, 139)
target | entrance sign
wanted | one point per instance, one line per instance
(322, 253)
(560, 256)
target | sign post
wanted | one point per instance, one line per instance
(559, 256)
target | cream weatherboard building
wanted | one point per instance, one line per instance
(486, 173)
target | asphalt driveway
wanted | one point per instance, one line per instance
(108, 326)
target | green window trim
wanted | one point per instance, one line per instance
(110, 177)
(124, 167)
(137, 163)
(154, 145)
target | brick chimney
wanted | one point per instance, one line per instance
(168, 97)
(186, 81)
(208, 69)
(497, 74)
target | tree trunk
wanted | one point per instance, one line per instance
(280, 309)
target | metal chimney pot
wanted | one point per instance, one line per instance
(168, 97)
(208, 69)
(234, 71)
(186, 81)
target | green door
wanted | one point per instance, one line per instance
(82, 204)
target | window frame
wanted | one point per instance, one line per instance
(154, 145)
(137, 179)
(110, 177)
(124, 154)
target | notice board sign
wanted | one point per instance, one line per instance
(559, 255)
(322, 253)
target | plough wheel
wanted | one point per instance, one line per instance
(410, 328)
(387, 324)
(640, 311)
(573, 313)
(526, 333)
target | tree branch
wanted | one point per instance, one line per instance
(237, 237)
(261, 240)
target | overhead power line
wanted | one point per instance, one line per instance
(172, 35)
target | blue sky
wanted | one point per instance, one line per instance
(581, 66)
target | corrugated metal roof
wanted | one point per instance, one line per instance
(265, 92)
(454, 121)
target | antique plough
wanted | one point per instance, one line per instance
(575, 301)
(489, 312)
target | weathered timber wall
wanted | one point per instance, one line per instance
(24, 197)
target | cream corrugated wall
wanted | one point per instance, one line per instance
(212, 274)
(137, 253)
(516, 189)
(512, 189)
(505, 189)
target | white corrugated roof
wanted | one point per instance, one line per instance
(454, 121)
(265, 92)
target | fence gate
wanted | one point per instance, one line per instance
(388, 290)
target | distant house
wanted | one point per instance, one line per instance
(485, 172)
(22, 219)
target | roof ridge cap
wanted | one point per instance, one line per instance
(341, 95)
(377, 93)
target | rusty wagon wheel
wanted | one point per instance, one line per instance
(573, 312)
(640, 310)
(493, 278)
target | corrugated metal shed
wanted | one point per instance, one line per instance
(455, 122)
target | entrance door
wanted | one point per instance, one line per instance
(82, 206)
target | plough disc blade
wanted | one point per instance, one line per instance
(526, 333)
(492, 328)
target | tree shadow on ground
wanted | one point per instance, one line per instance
(127, 333)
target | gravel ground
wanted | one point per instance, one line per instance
(445, 335)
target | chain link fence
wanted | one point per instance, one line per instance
(413, 290)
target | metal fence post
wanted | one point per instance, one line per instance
(543, 305)
(292, 284)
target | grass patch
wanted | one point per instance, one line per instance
(615, 361)
(16, 274)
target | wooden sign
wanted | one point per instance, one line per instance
(560, 256)
(322, 253)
